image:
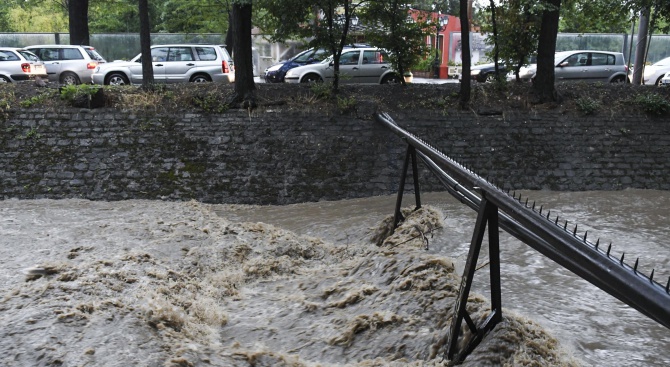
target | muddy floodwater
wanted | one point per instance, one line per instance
(151, 283)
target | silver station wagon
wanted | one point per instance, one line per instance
(68, 64)
(172, 64)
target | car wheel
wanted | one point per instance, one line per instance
(619, 79)
(658, 81)
(489, 78)
(68, 78)
(311, 78)
(117, 79)
(201, 78)
(391, 79)
(4, 79)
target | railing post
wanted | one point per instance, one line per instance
(488, 213)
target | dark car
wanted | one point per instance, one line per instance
(486, 72)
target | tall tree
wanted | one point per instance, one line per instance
(389, 28)
(242, 55)
(145, 46)
(546, 48)
(78, 15)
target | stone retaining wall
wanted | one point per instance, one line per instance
(280, 157)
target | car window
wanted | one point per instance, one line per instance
(373, 57)
(93, 54)
(580, 59)
(350, 58)
(159, 54)
(29, 55)
(8, 56)
(206, 53)
(47, 54)
(602, 59)
(304, 57)
(180, 54)
(72, 54)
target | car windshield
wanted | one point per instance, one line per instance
(93, 54)
(560, 56)
(29, 55)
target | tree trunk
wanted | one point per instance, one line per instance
(244, 73)
(641, 47)
(145, 46)
(465, 54)
(546, 48)
(78, 19)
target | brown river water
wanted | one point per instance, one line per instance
(151, 283)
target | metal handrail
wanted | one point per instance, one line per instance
(577, 254)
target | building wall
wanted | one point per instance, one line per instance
(281, 157)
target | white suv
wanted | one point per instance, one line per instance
(360, 65)
(68, 64)
(172, 64)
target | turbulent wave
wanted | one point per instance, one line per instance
(175, 284)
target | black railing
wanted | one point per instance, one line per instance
(551, 237)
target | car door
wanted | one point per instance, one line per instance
(573, 67)
(350, 66)
(180, 61)
(601, 67)
(373, 66)
(51, 59)
(159, 56)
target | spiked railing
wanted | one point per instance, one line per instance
(546, 234)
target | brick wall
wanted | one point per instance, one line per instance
(280, 157)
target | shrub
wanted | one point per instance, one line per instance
(652, 103)
(587, 105)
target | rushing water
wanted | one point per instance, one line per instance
(600, 330)
(156, 283)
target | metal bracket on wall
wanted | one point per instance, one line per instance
(488, 213)
(411, 154)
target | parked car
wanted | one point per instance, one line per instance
(17, 64)
(68, 64)
(360, 65)
(277, 72)
(655, 72)
(172, 64)
(583, 65)
(485, 72)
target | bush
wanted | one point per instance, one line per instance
(652, 103)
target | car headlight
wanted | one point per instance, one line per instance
(290, 73)
(475, 72)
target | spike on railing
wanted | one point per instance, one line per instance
(651, 277)
(608, 249)
(667, 286)
(533, 205)
(622, 255)
(565, 226)
(585, 234)
(635, 266)
(540, 210)
(597, 243)
(574, 233)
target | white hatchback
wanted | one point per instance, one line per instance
(655, 72)
(17, 64)
(172, 64)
